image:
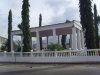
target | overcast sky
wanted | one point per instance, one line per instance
(53, 11)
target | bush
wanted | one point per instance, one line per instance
(4, 46)
(52, 47)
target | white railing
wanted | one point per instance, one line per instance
(67, 53)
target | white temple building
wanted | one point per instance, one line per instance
(76, 54)
(74, 29)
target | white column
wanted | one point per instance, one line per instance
(47, 40)
(38, 41)
(58, 39)
(22, 43)
(74, 38)
(12, 43)
(31, 44)
(79, 39)
(83, 41)
(54, 36)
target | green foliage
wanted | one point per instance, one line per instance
(40, 20)
(98, 17)
(96, 26)
(68, 21)
(99, 41)
(25, 27)
(40, 24)
(20, 26)
(86, 17)
(63, 41)
(52, 47)
(4, 46)
(9, 30)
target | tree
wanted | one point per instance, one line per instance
(86, 17)
(25, 27)
(96, 26)
(9, 30)
(99, 38)
(4, 46)
(98, 19)
(40, 24)
(63, 40)
(18, 42)
(54, 47)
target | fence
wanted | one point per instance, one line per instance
(67, 56)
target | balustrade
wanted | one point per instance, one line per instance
(66, 53)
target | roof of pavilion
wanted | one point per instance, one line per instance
(61, 29)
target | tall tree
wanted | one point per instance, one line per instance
(40, 24)
(98, 20)
(96, 26)
(86, 17)
(25, 27)
(9, 30)
(4, 46)
(63, 40)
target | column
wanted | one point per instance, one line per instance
(12, 43)
(47, 40)
(74, 38)
(38, 41)
(79, 39)
(22, 43)
(83, 41)
(58, 39)
(54, 36)
(31, 44)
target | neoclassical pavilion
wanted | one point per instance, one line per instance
(73, 28)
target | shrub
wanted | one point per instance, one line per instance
(52, 47)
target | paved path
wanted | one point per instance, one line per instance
(54, 69)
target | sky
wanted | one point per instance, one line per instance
(53, 11)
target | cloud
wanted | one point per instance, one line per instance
(69, 14)
(53, 11)
(63, 10)
(5, 6)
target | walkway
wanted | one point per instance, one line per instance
(54, 69)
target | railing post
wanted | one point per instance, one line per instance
(55, 52)
(69, 51)
(20, 54)
(32, 53)
(12, 53)
(86, 52)
(42, 52)
(5, 53)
